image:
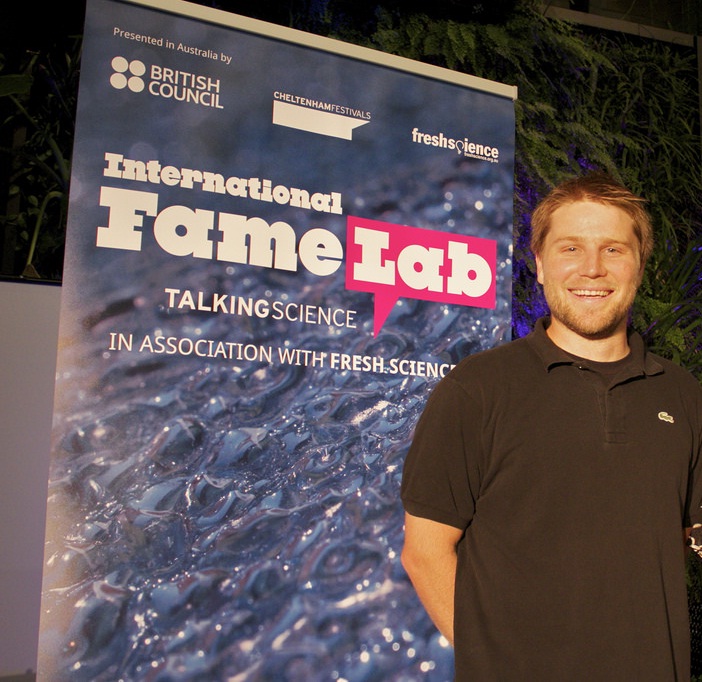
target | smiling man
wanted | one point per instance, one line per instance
(552, 480)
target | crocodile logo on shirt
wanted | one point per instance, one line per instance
(665, 417)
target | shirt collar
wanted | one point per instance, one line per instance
(552, 355)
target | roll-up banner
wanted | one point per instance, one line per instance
(277, 245)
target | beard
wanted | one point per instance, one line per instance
(596, 324)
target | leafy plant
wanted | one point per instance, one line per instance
(668, 307)
(38, 105)
(591, 99)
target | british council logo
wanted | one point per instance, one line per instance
(128, 74)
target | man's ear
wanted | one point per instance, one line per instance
(539, 269)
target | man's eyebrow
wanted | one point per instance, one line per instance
(579, 239)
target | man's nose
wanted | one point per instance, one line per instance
(593, 264)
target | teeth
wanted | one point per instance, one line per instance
(588, 292)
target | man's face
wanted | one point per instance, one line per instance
(590, 269)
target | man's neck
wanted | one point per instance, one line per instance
(608, 349)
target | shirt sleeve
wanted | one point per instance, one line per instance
(440, 479)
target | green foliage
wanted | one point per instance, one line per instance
(668, 306)
(592, 99)
(37, 105)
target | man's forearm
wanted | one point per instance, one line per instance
(430, 559)
(434, 581)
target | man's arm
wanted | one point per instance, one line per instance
(429, 557)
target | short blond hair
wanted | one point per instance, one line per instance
(602, 189)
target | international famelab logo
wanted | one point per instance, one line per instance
(160, 81)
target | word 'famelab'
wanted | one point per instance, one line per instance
(183, 231)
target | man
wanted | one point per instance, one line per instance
(551, 480)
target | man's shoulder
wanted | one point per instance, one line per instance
(676, 373)
(507, 357)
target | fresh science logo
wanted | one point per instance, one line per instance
(465, 147)
(166, 83)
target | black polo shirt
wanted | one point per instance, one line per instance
(573, 481)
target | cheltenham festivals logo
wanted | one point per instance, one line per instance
(317, 116)
(160, 81)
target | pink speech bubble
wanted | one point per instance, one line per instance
(391, 261)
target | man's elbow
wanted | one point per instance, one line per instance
(416, 562)
(429, 549)
(408, 560)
